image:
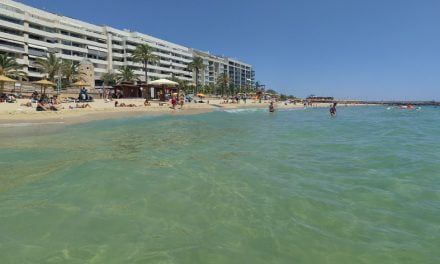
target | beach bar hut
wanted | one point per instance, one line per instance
(128, 90)
(160, 89)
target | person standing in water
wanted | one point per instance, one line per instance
(271, 108)
(333, 109)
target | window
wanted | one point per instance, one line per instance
(11, 31)
(75, 35)
(12, 20)
(31, 36)
(11, 44)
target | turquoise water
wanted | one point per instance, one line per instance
(225, 187)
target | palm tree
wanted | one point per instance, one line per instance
(204, 89)
(223, 82)
(197, 65)
(109, 78)
(232, 88)
(10, 68)
(71, 72)
(50, 66)
(144, 53)
(182, 84)
(211, 88)
(257, 85)
(126, 73)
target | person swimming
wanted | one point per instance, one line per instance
(333, 109)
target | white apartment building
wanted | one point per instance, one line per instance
(240, 74)
(28, 33)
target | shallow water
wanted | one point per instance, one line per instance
(225, 187)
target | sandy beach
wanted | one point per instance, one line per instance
(17, 113)
(68, 113)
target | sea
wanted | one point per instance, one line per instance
(229, 186)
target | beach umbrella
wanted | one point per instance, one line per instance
(163, 82)
(81, 84)
(3, 80)
(43, 84)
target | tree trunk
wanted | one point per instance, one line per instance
(2, 87)
(146, 71)
(197, 81)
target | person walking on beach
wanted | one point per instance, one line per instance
(173, 102)
(181, 101)
(333, 109)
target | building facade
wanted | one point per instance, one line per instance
(29, 33)
(240, 74)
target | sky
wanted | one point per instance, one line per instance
(357, 49)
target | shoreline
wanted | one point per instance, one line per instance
(16, 114)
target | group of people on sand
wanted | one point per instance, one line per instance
(117, 104)
(80, 106)
(177, 101)
(43, 105)
(4, 98)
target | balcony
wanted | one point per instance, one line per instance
(14, 37)
(116, 46)
(80, 40)
(11, 25)
(40, 32)
(39, 21)
(10, 48)
(41, 43)
(37, 53)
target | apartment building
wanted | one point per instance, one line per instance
(29, 33)
(240, 74)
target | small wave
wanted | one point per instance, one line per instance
(29, 124)
(242, 110)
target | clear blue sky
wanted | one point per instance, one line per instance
(365, 49)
